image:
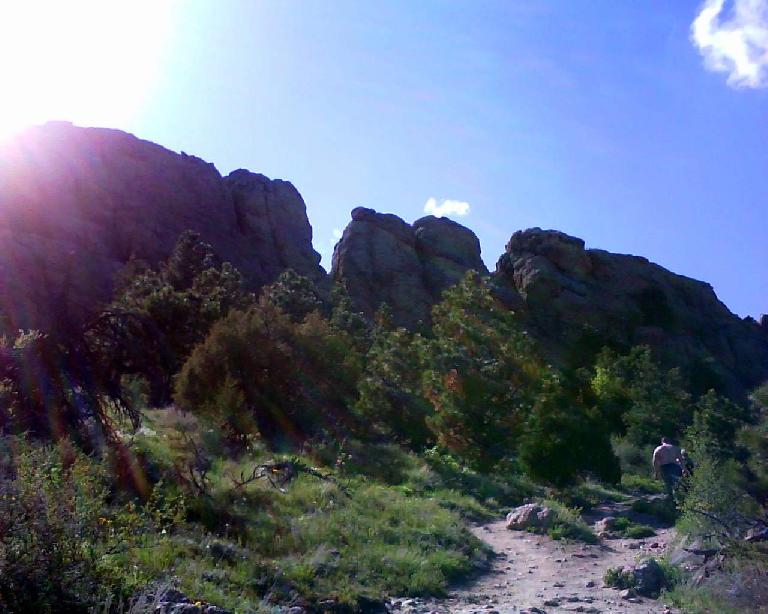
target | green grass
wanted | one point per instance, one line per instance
(384, 523)
(588, 494)
(641, 485)
(632, 530)
(568, 524)
(619, 578)
(662, 508)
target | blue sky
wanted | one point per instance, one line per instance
(595, 117)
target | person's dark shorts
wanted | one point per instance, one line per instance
(671, 473)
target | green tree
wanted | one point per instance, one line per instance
(564, 439)
(716, 422)
(390, 389)
(159, 316)
(257, 371)
(482, 375)
(638, 398)
(295, 295)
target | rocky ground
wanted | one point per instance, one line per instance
(536, 574)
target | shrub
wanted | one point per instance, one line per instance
(568, 523)
(391, 399)
(482, 374)
(158, 316)
(662, 508)
(632, 530)
(619, 578)
(60, 541)
(641, 484)
(562, 440)
(638, 398)
(259, 372)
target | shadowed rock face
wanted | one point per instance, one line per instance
(382, 259)
(77, 203)
(575, 298)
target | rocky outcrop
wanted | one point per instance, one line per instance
(77, 203)
(577, 299)
(382, 259)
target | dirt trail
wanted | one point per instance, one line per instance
(533, 571)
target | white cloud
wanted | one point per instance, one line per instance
(336, 236)
(736, 44)
(446, 207)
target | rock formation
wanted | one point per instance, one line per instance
(576, 300)
(382, 259)
(77, 203)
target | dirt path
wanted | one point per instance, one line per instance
(533, 571)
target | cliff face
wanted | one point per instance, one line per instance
(77, 203)
(574, 298)
(382, 259)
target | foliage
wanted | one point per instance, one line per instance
(482, 375)
(562, 439)
(716, 421)
(619, 578)
(390, 388)
(59, 538)
(662, 508)
(712, 503)
(641, 484)
(257, 371)
(295, 295)
(568, 523)
(49, 390)
(346, 319)
(638, 398)
(632, 530)
(158, 316)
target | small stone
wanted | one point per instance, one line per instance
(552, 603)
(627, 593)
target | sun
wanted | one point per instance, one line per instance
(92, 62)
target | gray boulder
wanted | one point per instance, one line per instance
(649, 578)
(530, 516)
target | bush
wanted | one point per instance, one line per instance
(259, 372)
(619, 578)
(391, 399)
(662, 508)
(641, 484)
(568, 523)
(632, 530)
(482, 375)
(562, 440)
(638, 398)
(60, 541)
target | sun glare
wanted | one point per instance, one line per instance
(92, 62)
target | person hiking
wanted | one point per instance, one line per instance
(667, 463)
